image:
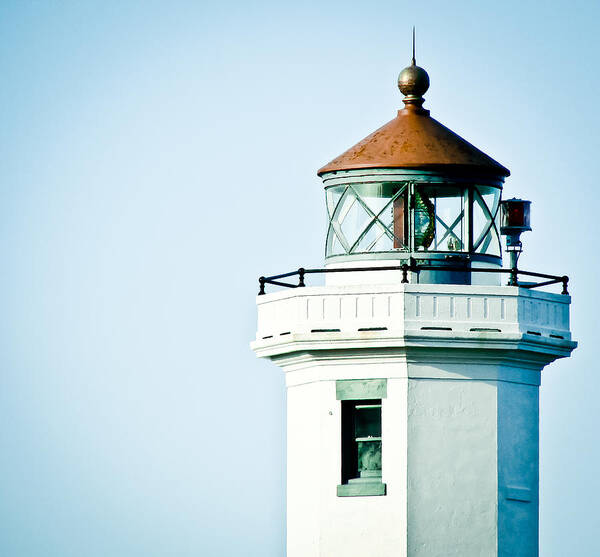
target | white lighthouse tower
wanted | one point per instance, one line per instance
(413, 374)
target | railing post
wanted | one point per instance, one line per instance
(261, 283)
(404, 273)
(514, 258)
(565, 282)
(301, 277)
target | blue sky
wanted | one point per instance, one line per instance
(157, 157)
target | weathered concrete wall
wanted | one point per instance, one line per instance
(518, 469)
(452, 477)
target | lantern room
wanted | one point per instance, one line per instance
(420, 214)
(414, 190)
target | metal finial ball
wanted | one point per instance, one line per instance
(413, 81)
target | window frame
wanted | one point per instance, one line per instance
(352, 394)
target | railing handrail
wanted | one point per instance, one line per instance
(413, 267)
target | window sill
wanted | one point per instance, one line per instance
(361, 489)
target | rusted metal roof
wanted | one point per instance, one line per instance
(415, 140)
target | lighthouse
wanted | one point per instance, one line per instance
(413, 372)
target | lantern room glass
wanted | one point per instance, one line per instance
(486, 220)
(412, 217)
(366, 218)
(439, 218)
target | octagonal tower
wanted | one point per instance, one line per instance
(412, 375)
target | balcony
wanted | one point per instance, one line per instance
(400, 314)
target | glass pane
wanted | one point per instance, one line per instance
(345, 204)
(485, 243)
(369, 458)
(332, 196)
(354, 219)
(334, 247)
(490, 244)
(439, 218)
(383, 242)
(374, 196)
(481, 221)
(491, 198)
(449, 224)
(377, 196)
(365, 216)
(378, 238)
(495, 247)
(391, 225)
(367, 242)
(485, 217)
(368, 421)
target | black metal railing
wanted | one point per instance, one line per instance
(413, 267)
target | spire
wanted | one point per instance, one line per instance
(413, 82)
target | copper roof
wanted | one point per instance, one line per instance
(415, 140)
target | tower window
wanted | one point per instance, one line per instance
(361, 443)
(361, 440)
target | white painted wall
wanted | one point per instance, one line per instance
(319, 522)
(304, 413)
